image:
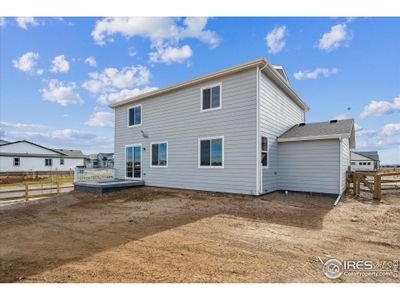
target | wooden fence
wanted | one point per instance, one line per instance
(27, 191)
(372, 182)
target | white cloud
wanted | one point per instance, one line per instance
(380, 108)
(171, 54)
(164, 33)
(132, 51)
(59, 64)
(24, 22)
(91, 61)
(109, 98)
(157, 29)
(26, 62)
(61, 93)
(365, 132)
(101, 119)
(21, 125)
(276, 39)
(111, 79)
(3, 21)
(334, 38)
(357, 127)
(325, 72)
(40, 72)
(391, 129)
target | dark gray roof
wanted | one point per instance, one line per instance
(71, 153)
(320, 129)
(369, 154)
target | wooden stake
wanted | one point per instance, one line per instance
(58, 187)
(26, 192)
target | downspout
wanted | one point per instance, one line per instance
(340, 173)
(260, 188)
(340, 166)
(258, 132)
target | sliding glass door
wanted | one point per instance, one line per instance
(133, 163)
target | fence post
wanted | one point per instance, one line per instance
(358, 186)
(58, 187)
(377, 187)
(354, 183)
(26, 192)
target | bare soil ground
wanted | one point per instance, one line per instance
(160, 235)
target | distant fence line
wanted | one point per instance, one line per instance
(37, 173)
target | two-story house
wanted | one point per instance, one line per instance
(239, 130)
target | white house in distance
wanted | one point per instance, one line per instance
(239, 130)
(365, 161)
(24, 156)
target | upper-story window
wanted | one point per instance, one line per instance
(135, 116)
(16, 161)
(211, 97)
(61, 161)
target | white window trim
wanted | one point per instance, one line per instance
(151, 155)
(220, 97)
(19, 162)
(141, 163)
(267, 166)
(141, 115)
(199, 152)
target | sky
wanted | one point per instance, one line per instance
(58, 75)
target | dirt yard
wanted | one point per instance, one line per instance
(160, 235)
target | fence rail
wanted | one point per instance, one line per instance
(30, 191)
(84, 174)
(372, 182)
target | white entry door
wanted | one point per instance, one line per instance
(133, 161)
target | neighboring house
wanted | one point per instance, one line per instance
(3, 142)
(24, 156)
(100, 160)
(239, 130)
(365, 161)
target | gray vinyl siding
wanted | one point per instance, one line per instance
(278, 113)
(176, 118)
(345, 161)
(309, 166)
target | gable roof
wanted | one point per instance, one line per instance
(369, 154)
(37, 145)
(262, 63)
(71, 153)
(321, 131)
(57, 152)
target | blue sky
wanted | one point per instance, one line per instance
(57, 75)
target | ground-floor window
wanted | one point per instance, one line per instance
(16, 161)
(211, 152)
(264, 151)
(159, 154)
(48, 162)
